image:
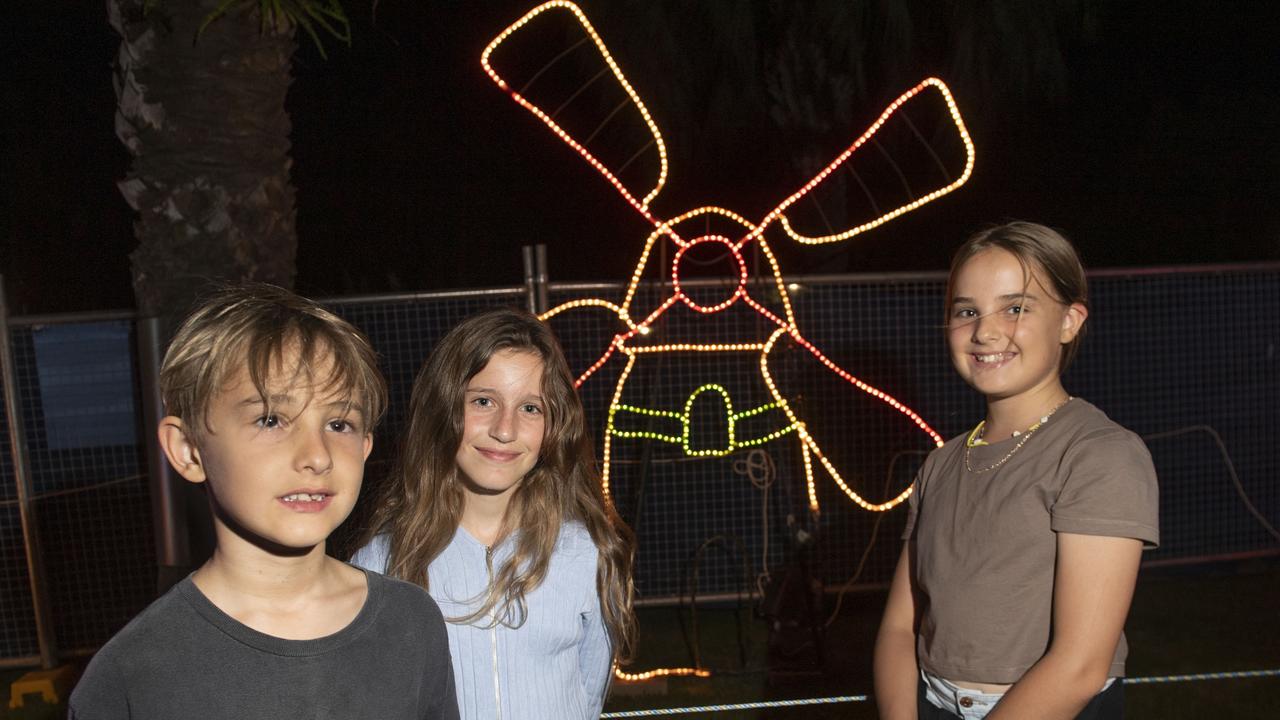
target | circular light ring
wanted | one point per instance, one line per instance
(738, 291)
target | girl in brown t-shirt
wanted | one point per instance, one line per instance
(1025, 534)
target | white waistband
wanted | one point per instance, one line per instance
(967, 703)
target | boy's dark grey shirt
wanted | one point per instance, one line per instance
(184, 658)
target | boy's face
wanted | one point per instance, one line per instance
(288, 476)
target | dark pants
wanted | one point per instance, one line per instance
(1106, 705)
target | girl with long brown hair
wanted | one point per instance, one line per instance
(495, 507)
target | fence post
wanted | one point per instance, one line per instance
(531, 294)
(26, 508)
(540, 278)
(168, 513)
(535, 277)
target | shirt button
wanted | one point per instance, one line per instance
(966, 702)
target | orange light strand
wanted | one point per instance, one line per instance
(786, 325)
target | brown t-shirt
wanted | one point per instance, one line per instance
(986, 543)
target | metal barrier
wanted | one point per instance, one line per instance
(1185, 357)
(76, 558)
(1188, 357)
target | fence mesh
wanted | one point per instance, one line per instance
(1184, 358)
(1173, 352)
(77, 387)
(403, 332)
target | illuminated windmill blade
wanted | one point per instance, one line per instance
(841, 419)
(916, 151)
(578, 91)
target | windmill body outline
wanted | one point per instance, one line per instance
(783, 324)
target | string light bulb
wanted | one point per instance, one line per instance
(784, 323)
(780, 324)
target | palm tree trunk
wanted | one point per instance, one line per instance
(206, 124)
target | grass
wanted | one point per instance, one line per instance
(1182, 622)
(1196, 620)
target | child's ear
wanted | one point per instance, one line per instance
(183, 454)
(368, 445)
(1072, 320)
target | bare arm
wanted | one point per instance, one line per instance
(896, 672)
(1092, 588)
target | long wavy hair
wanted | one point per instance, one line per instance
(423, 497)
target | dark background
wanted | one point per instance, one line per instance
(1157, 146)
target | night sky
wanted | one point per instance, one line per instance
(415, 173)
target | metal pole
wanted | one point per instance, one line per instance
(530, 275)
(541, 301)
(173, 545)
(26, 508)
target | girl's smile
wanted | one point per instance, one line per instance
(498, 456)
(993, 359)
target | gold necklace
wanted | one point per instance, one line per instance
(975, 437)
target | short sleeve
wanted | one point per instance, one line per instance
(917, 489)
(913, 500)
(100, 694)
(1110, 489)
(441, 697)
(374, 555)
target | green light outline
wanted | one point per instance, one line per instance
(682, 440)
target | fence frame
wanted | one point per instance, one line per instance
(26, 508)
(536, 288)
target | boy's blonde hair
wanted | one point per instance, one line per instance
(257, 326)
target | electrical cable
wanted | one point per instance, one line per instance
(759, 469)
(875, 530)
(1208, 430)
(692, 641)
(1231, 470)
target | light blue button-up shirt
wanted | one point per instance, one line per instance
(556, 666)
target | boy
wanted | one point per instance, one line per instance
(272, 401)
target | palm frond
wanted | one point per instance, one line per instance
(328, 15)
(331, 17)
(223, 8)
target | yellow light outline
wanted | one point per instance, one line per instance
(642, 205)
(785, 325)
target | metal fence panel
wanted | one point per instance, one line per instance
(1174, 352)
(17, 618)
(1185, 358)
(1176, 356)
(76, 387)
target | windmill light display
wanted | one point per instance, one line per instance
(637, 338)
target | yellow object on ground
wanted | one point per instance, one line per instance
(53, 686)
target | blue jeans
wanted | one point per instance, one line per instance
(1106, 705)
